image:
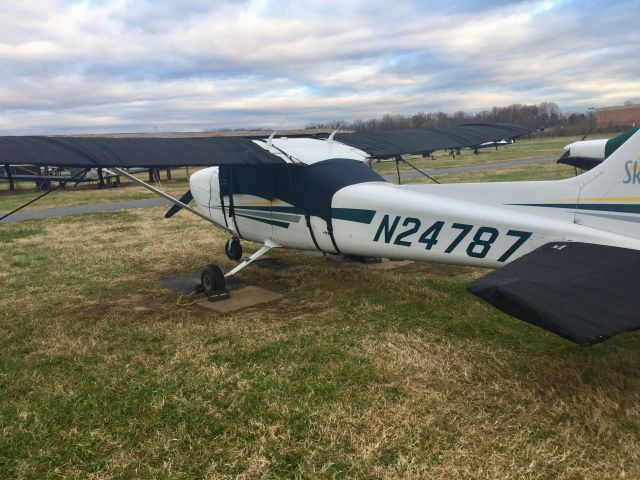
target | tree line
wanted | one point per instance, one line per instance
(545, 115)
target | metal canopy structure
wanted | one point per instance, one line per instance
(427, 140)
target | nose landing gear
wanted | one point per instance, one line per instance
(233, 249)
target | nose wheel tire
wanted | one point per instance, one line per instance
(233, 249)
(212, 279)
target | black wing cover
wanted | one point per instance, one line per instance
(149, 152)
(583, 292)
(90, 152)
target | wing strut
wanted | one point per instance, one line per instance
(420, 171)
(399, 159)
(175, 201)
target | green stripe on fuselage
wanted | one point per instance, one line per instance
(269, 208)
(622, 218)
(606, 207)
(285, 217)
(265, 213)
(264, 220)
(358, 215)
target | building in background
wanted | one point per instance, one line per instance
(624, 117)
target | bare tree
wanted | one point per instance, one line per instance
(545, 115)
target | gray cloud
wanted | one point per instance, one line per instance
(120, 65)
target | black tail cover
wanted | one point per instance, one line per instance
(583, 292)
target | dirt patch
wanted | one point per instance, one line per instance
(245, 297)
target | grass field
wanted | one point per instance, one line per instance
(356, 373)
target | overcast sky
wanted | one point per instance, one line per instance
(133, 65)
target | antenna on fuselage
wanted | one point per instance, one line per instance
(270, 139)
(333, 134)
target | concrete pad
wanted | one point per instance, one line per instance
(240, 298)
(186, 284)
(389, 264)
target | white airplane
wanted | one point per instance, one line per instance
(588, 148)
(586, 154)
(567, 251)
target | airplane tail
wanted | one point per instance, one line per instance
(609, 194)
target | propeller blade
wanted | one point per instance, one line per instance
(185, 198)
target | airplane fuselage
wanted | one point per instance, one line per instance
(485, 225)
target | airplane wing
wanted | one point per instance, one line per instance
(157, 152)
(146, 152)
(583, 292)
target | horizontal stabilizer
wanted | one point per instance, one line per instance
(583, 292)
(583, 163)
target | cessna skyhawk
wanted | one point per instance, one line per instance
(566, 251)
(586, 154)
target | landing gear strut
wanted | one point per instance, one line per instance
(213, 280)
(233, 249)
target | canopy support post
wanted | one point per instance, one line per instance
(420, 171)
(12, 185)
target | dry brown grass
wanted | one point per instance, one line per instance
(356, 373)
(479, 420)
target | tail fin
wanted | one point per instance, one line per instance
(609, 197)
(618, 175)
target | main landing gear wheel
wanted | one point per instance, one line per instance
(212, 280)
(233, 249)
